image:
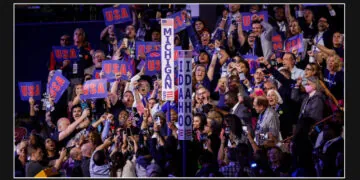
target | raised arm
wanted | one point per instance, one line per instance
(59, 161)
(211, 70)
(288, 15)
(104, 33)
(240, 32)
(73, 125)
(326, 50)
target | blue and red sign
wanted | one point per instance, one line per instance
(153, 63)
(30, 89)
(146, 47)
(94, 89)
(111, 67)
(180, 21)
(294, 42)
(96, 74)
(66, 53)
(253, 64)
(57, 86)
(246, 18)
(118, 15)
(277, 42)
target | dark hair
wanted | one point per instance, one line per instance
(292, 55)
(235, 124)
(99, 157)
(118, 162)
(205, 158)
(202, 120)
(76, 106)
(246, 65)
(262, 101)
(232, 95)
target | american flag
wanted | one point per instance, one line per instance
(169, 94)
(167, 22)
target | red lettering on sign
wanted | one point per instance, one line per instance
(158, 65)
(116, 14)
(293, 43)
(157, 47)
(148, 48)
(141, 49)
(65, 53)
(55, 86)
(176, 55)
(24, 90)
(72, 53)
(115, 68)
(52, 93)
(92, 88)
(86, 89)
(97, 75)
(123, 69)
(37, 90)
(60, 80)
(109, 16)
(107, 68)
(124, 13)
(246, 20)
(31, 90)
(288, 45)
(151, 65)
(276, 38)
(101, 88)
(178, 22)
(58, 54)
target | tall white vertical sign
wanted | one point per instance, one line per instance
(167, 59)
(185, 92)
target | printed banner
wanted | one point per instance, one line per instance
(167, 59)
(185, 92)
(277, 42)
(66, 53)
(180, 21)
(246, 18)
(153, 63)
(57, 85)
(295, 42)
(30, 89)
(94, 89)
(252, 62)
(111, 67)
(146, 47)
(194, 39)
(141, 65)
(96, 74)
(118, 15)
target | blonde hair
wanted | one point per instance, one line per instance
(279, 99)
(337, 62)
(216, 116)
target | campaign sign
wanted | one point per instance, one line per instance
(176, 53)
(185, 92)
(118, 15)
(180, 21)
(111, 67)
(294, 42)
(57, 85)
(246, 18)
(146, 47)
(30, 89)
(65, 53)
(153, 63)
(141, 64)
(277, 42)
(94, 89)
(167, 59)
(96, 74)
(252, 62)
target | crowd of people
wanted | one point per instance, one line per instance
(281, 116)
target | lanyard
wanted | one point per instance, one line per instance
(331, 79)
(318, 39)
